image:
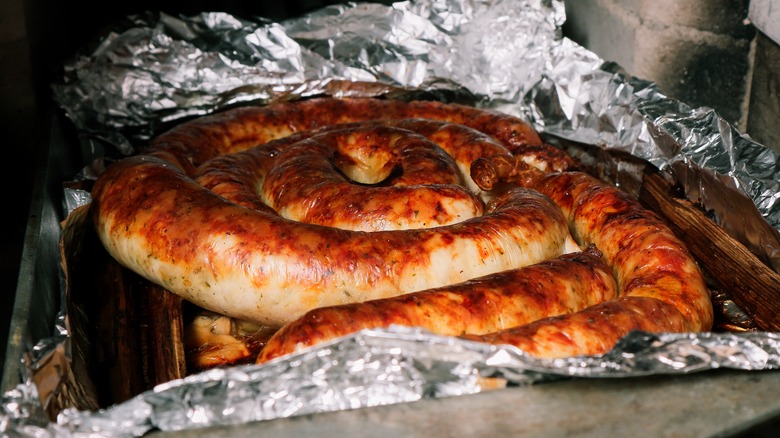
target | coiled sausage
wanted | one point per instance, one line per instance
(244, 260)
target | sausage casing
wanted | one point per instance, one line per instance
(661, 286)
(565, 284)
(245, 260)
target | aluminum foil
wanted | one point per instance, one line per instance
(508, 55)
(504, 54)
(394, 365)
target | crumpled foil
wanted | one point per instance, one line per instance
(503, 54)
(394, 365)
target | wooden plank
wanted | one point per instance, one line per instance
(127, 331)
(102, 314)
(750, 283)
(164, 328)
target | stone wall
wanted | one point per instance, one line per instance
(697, 51)
(722, 54)
(764, 103)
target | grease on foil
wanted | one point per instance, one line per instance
(508, 55)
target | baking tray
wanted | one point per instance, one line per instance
(37, 296)
(711, 403)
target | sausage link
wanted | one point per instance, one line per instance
(661, 286)
(591, 331)
(557, 286)
(178, 217)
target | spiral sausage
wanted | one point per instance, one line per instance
(661, 287)
(231, 254)
(483, 305)
(222, 211)
(312, 177)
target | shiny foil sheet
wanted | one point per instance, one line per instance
(382, 367)
(507, 55)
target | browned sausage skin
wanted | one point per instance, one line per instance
(648, 259)
(177, 216)
(511, 298)
(661, 286)
(244, 260)
(190, 144)
(410, 173)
